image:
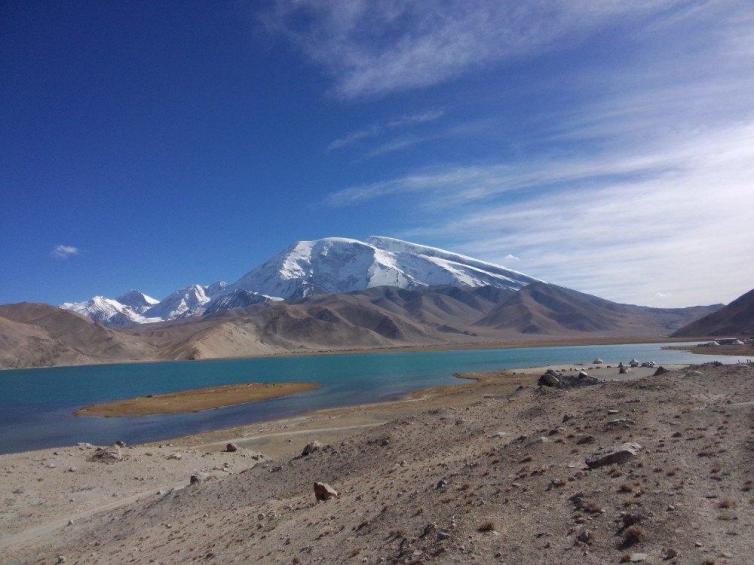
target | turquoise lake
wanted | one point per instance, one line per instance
(37, 405)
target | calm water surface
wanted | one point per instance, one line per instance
(37, 405)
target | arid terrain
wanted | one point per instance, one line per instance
(747, 349)
(497, 470)
(735, 319)
(39, 335)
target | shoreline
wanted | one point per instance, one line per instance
(164, 466)
(469, 383)
(486, 463)
(461, 346)
(732, 350)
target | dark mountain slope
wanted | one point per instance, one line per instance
(735, 319)
(542, 308)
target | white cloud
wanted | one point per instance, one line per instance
(64, 251)
(643, 192)
(372, 47)
(376, 130)
(682, 225)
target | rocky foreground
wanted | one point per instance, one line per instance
(656, 469)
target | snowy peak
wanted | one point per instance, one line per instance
(137, 301)
(324, 266)
(399, 247)
(108, 312)
(335, 264)
(181, 303)
(237, 298)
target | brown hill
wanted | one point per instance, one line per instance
(39, 335)
(737, 318)
(542, 308)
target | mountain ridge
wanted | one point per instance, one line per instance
(329, 265)
(735, 319)
(374, 318)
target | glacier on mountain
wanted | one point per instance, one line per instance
(324, 266)
(336, 264)
(109, 312)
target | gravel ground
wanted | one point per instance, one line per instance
(492, 471)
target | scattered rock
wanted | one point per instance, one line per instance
(620, 423)
(428, 529)
(609, 456)
(231, 448)
(310, 448)
(107, 455)
(669, 553)
(175, 456)
(550, 378)
(661, 371)
(195, 479)
(633, 534)
(584, 536)
(323, 491)
(631, 518)
(537, 440)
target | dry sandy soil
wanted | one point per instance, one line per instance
(490, 471)
(739, 350)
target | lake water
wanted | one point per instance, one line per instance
(37, 405)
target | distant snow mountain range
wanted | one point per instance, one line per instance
(324, 266)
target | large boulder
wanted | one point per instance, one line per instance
(107, 455)
(323, 491)
(310, 448)
(550, 378)
(613, 455)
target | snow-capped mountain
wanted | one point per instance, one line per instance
(324, 266)
(137, 301)
(237, 298)
(109, 312)
(336, 264)
(182, 303)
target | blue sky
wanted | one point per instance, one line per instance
(608, 147)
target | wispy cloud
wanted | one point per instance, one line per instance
(372, 47)
(64, 251)
(642, 193)
(681, 227)
(376, 130)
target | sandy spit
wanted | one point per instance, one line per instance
(195, 400)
